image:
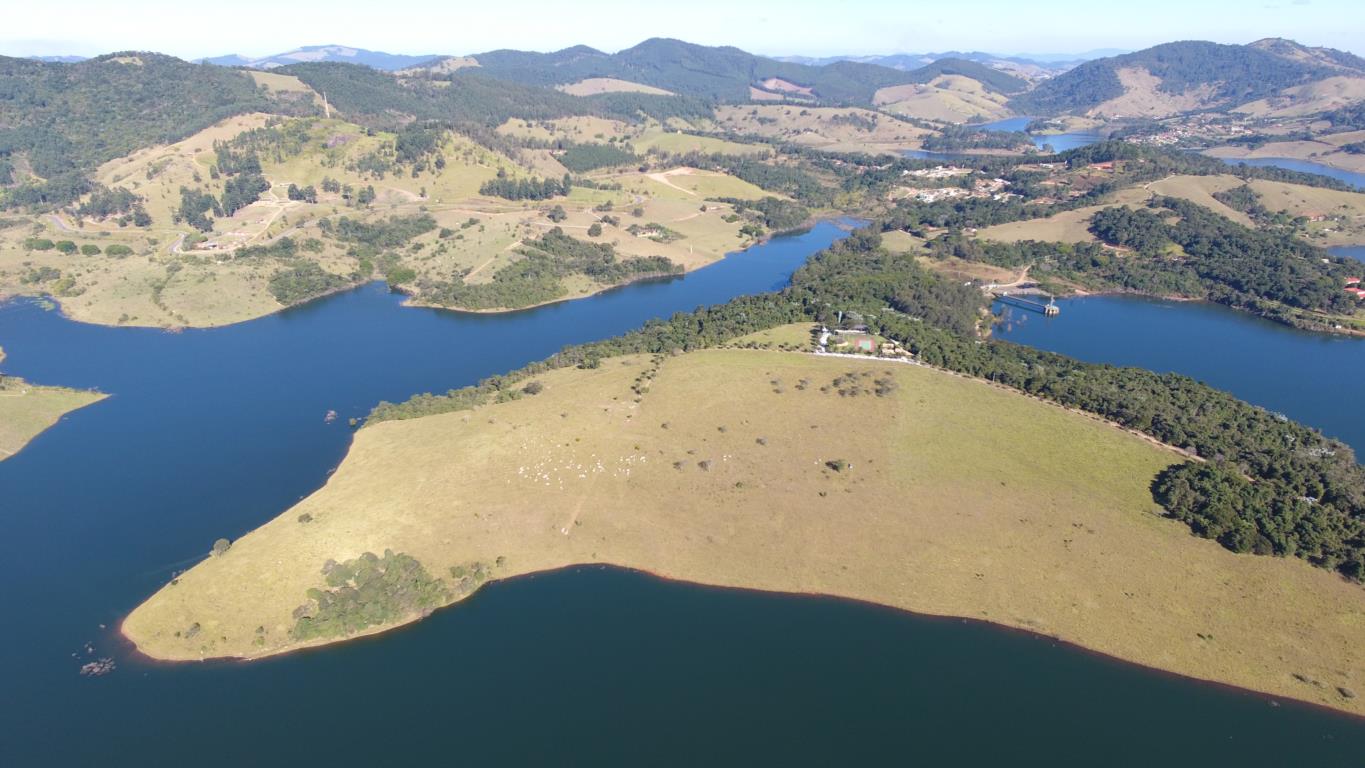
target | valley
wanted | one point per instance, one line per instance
(879, 394)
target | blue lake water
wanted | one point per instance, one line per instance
(210, 433)
(1314, 378)
(1060, 142)
(1356, 252)
(1356, 180)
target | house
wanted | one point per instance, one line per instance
(1352, 281)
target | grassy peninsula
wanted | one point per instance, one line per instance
(26, 410)
(869, 479)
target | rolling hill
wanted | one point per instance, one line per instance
(723, 74)
(389, 62)
(1186, 76)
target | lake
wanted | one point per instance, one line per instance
(1311, 377)
(1060, 142)
(212, 432)
(1356, 180)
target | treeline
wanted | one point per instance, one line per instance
(537, 277)
(581, 158)
(508, 188)
(67, 119)
(392, 232)
(959, 138)
(1307, 493)
(244, 185)
(303, 281)
(776, 214)
(105, 202)
(1236, 265)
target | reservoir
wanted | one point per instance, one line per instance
(211, 433)
(1356, 180)
(1311, 377)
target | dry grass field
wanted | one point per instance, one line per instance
(943, 495)
(26, 410)
(832, 128)
(677, 142)
(1310, 99)
(1346, 209)
(1199, 190)
(596, 85)
(171, 281)
(949, 99)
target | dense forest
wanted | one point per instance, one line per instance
(66, 119)
(715, 74)
(1264, 484)
(959, 138)
(1235, 265)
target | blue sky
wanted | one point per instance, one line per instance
(813, 27)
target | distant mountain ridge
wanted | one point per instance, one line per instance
(723, 73)
(1187, 76)
(388, 62)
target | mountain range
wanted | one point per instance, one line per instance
(388, 62)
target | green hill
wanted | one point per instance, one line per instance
(715, 73)
(62, 120)
(1231, 75)
(992, 79)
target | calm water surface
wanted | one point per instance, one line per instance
(1318, 379)
(210, 433)
(1356, 180)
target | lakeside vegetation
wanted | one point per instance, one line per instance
(796, 459)
(538, 277)
(1310, 499)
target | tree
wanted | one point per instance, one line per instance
(220, 547)
(595, 230)
(557, 214)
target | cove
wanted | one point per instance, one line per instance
(1352, 178)
(1310, 377)
(212, 432)
(1060, 142)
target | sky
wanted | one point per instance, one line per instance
(770, 27)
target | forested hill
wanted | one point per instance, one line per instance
(65, 119)
(719, 74)
(1231, 74)
(470, 97)
(990, 78)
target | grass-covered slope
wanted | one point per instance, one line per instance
(65, 119)
(1224, 75)
(26, 410)
(867, 479)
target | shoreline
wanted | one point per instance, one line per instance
(1014, 613)
(141, 657)
(410, 301)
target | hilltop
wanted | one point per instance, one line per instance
(346, 54)
(1186, 76)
